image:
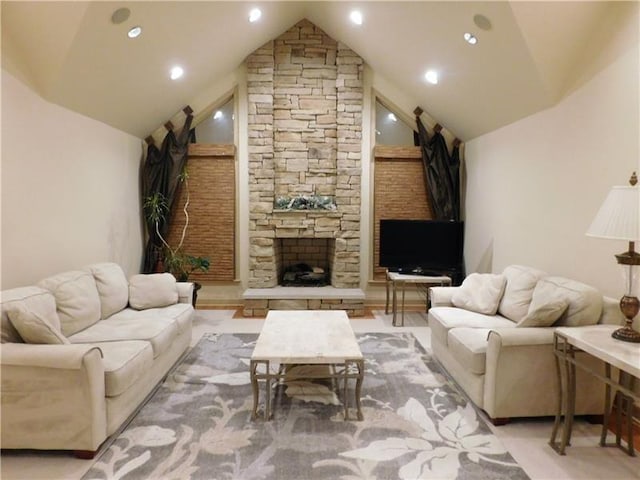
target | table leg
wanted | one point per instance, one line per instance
(386, 303)
(346, 391)
(254, 388)
(629, 415)
(627, 382)
(394, 303)
(607, 406)
(360, 365)
(267, 400)
(566, 388)
(403, 288)
(619, 417)
(556, 423)
(572, 397)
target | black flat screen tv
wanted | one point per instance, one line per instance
(421, 246)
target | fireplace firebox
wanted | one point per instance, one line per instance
(304, 262)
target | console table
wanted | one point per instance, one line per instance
(399, 279)
(595, 340)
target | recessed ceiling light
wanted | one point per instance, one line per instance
(218, 115)
(470, 38)
(392, 117)
(134, 32)
(431, 76)
(254, 15)
(356, 17)
(176, 72)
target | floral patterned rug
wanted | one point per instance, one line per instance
(198, 424)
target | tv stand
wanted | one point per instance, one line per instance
(395, 279)
(456, 274)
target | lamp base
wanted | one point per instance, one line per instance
(626, 334)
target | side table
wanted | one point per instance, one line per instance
(399, 279)
(595, 340)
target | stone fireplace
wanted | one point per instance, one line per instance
(305, 131)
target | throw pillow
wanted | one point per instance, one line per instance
(152, 291)
(544, 315)
(112, 286)
(584, 303)
(37, 321)
(516, 300)
(480, 292)
(77, 299)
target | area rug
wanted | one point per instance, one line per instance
(198, 423)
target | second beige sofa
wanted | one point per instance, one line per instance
(507, 369)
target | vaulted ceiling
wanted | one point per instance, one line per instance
(72, 53)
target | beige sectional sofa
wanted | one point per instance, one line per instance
(81, 350)
(496, 346)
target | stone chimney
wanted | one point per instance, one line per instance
(305, 133)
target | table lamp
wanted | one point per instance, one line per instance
(617, 219)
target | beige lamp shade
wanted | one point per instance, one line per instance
(618, 217)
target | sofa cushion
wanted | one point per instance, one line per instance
(159, 331)
(544, 315)
(77, 299)
(469, 346)
(521, 281)
(8, 300)
(442, 319)
(151, 291)
(180, 312)
(112, 286)
(584, 302)
(37, 321)
(125, 363)
(480, 292)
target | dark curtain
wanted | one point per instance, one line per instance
(441, 174)
(160, 173)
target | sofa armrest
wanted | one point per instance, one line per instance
(185, 292)
(520, 362)
(67, 357)
(511, 337)
(441, 296)
(53, 397)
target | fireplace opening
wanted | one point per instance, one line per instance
(304, 275)
(304, 262)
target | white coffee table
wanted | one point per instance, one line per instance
(306, 337)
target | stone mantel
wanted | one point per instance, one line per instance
(309, 213)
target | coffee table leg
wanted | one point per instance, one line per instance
(267, 401)
(360, 365)
(254, 387)
(345, 394)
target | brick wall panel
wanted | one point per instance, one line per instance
(399, 193)
(211, 231)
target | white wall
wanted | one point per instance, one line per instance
(534, 186)
(70, 190)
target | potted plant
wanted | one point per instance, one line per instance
(174, 260)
